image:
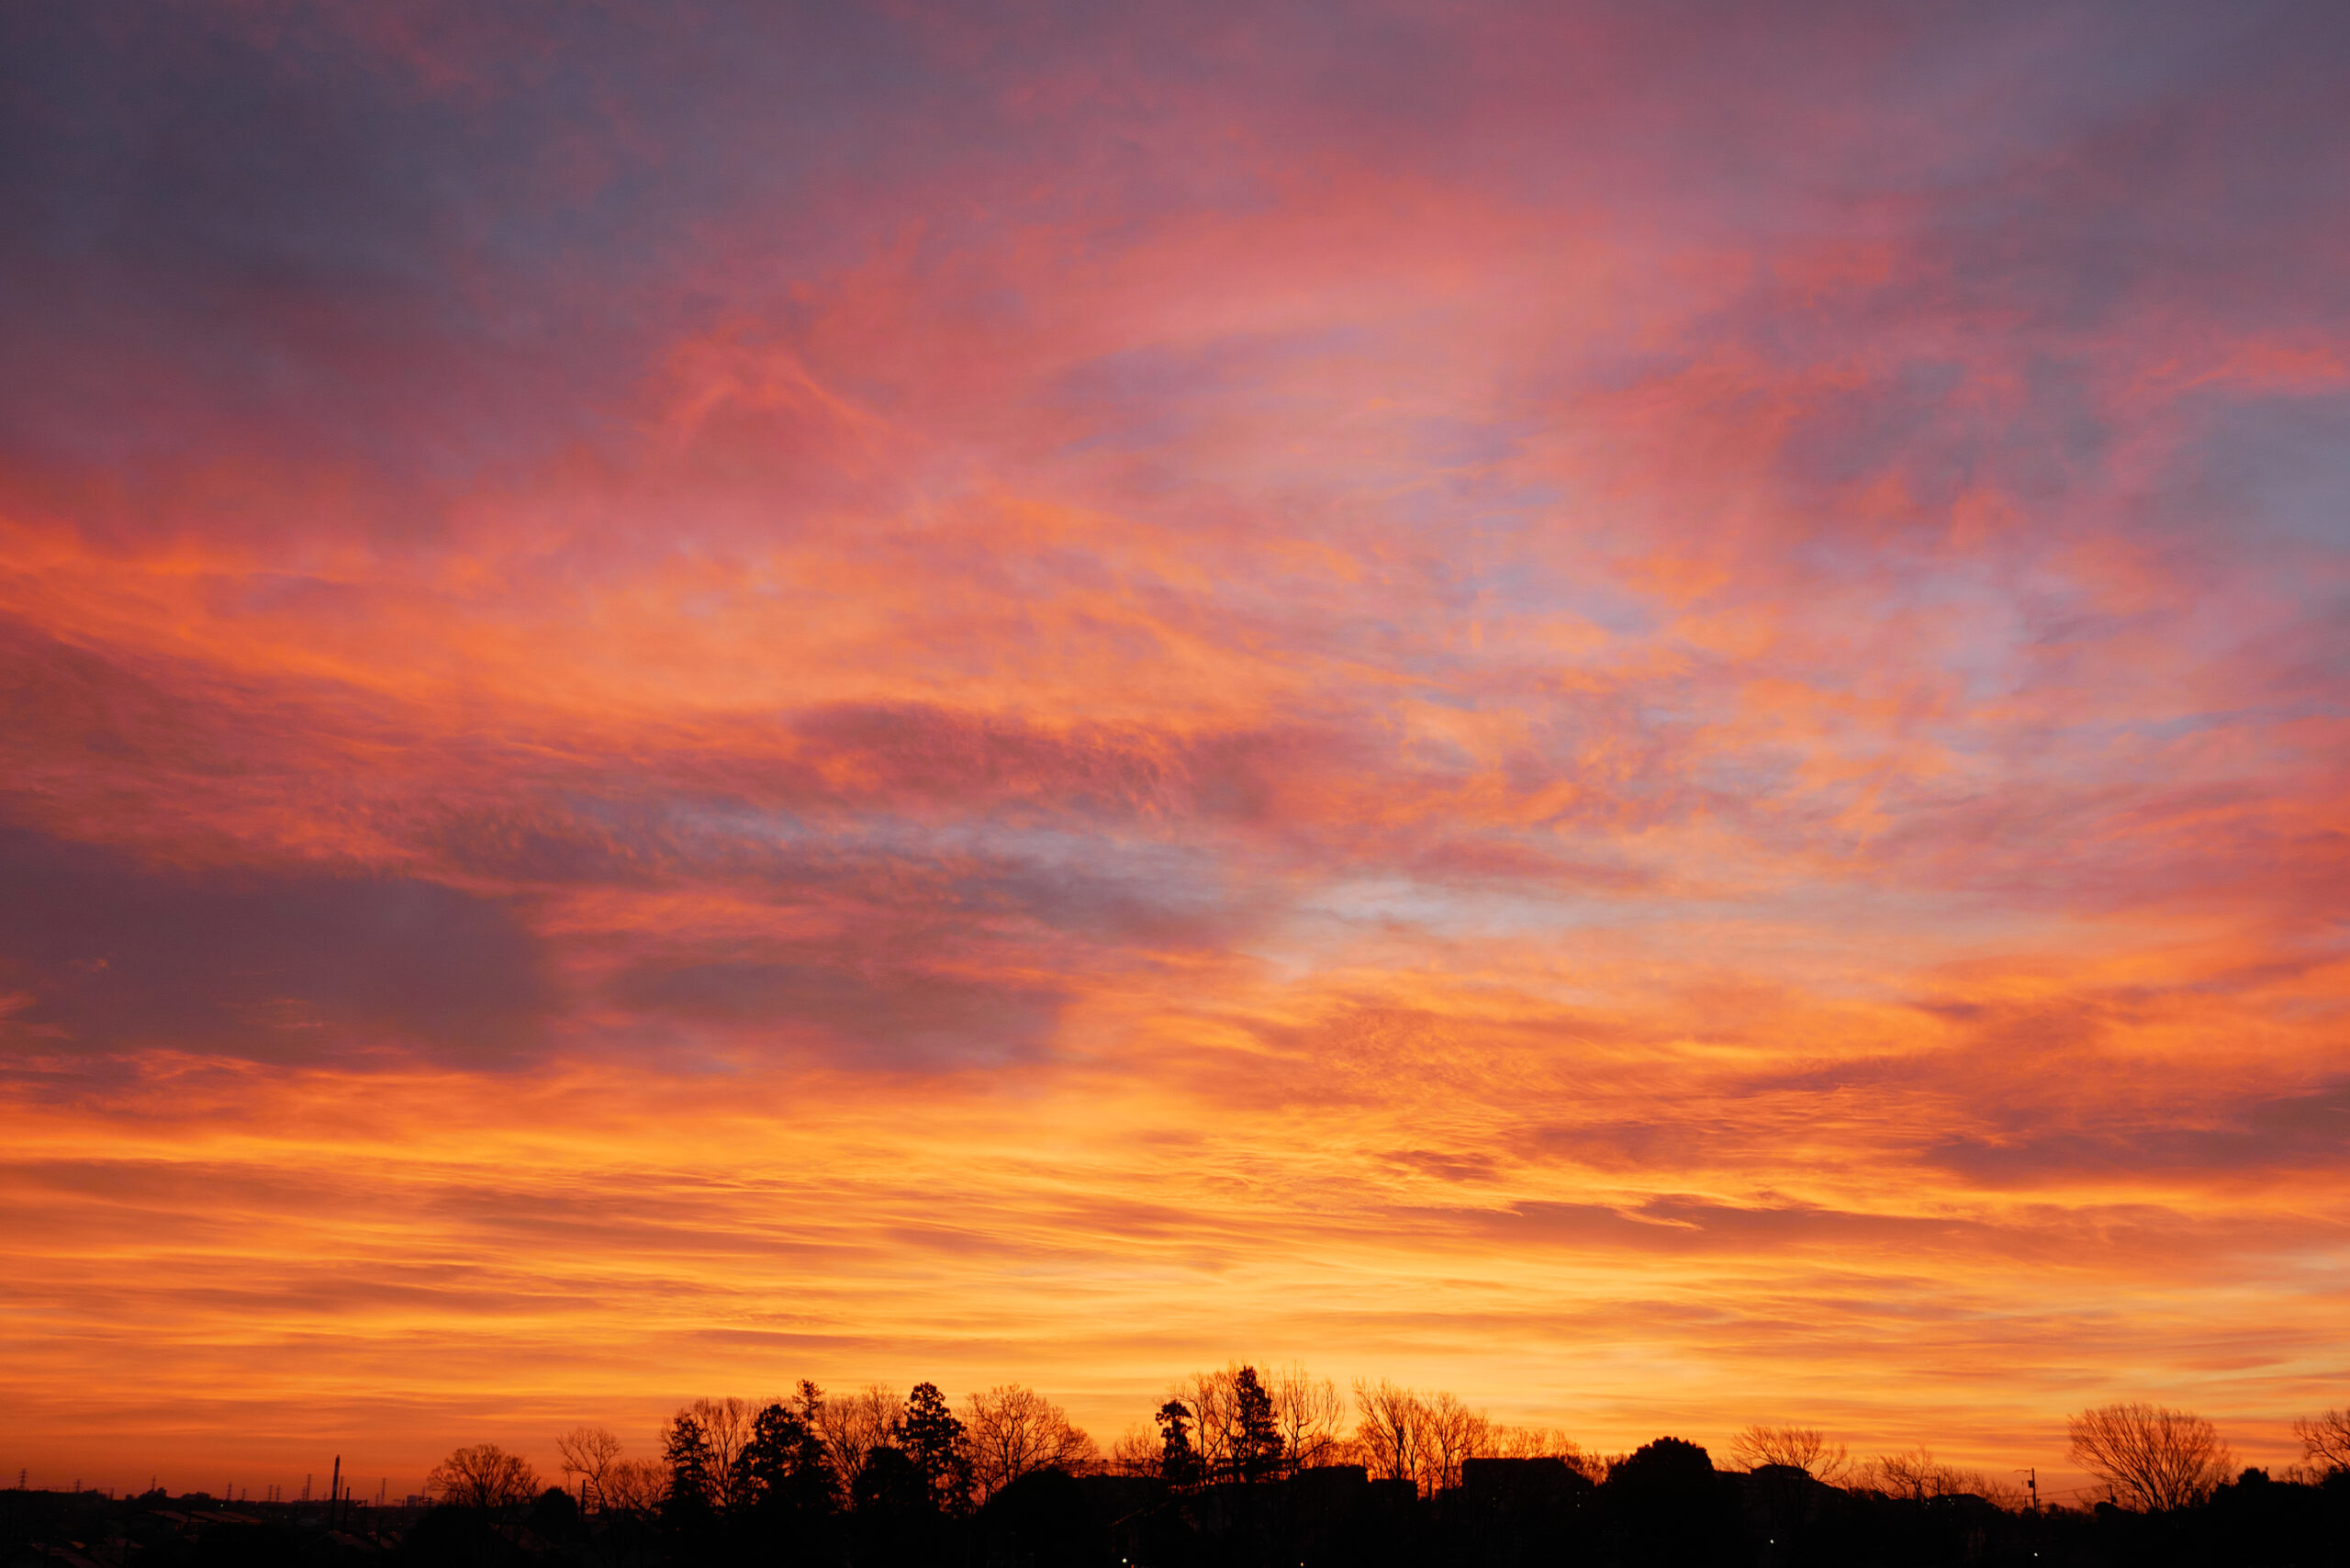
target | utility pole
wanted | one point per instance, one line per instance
(2033, 1480)
(334, 1492)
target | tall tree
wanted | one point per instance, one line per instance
(784, 1468)
(934, 1439)
(787, 1498)
(1178, 1463)
(691, 1498)
(1257, 1438)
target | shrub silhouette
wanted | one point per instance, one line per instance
(1670, 1507)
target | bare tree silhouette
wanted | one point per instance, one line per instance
(483, 1476)
(1544, 1442)
(1918, 1475)
(635, 1484)
(1405, 1435)
(726, 1427)
(1454, 1435)
(2158, 1458)
(1012, 1431)
(852, 1424)
(2326, 1439)
(1389, 1436)
(1137, 1451)
(1309, 1417)
(589, 1453)
(1804, 1448)
(1212, 1401)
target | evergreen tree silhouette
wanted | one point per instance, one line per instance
(933, 1438)
(687, 1508)
(1178, 1464)
(1256, 1447)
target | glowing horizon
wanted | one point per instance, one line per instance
(1638, 713)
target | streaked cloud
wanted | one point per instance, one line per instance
(1640, 713)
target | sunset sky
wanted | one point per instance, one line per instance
(1641, 709)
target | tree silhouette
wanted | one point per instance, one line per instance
(1179, 1463)
(2156, 1457)
(852, 1425)
(690, 1500)
(1257, 1439)
(1388, 1436)
(1014, 1431)
(1917, 1476)
(1041, 1521)
(726, 1428)
(1453, 1434)
(1424, 1439)
(897, 1518)
(934, 1439)
(589, 1453)
(1802, 1448)
(636, 1485)
(783, 1469)
(781, 1500)
(483, 1476)
(1310, 1416)
(889, 1482)
(1543, 1442)
(786, 1497)
(555, 1515)
(1666, 1499)
(2326, 1439)
(1213, 1403)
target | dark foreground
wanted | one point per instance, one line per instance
(1508, 1513)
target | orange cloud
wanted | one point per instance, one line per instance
(1669, 753)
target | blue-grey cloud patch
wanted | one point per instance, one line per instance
(270, 964)
(887, 1013)
(920, 753)
(2268, 1134)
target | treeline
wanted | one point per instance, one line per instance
(1241, 1466)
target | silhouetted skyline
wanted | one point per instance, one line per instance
(1245, 1466)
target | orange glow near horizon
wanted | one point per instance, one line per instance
(1651, 726)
